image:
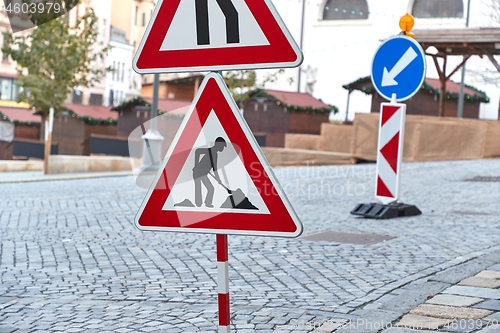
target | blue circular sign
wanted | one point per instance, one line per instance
(398, 68)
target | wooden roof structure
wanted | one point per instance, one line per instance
(464, 42)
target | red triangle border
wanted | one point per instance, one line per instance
(282, 50)
(281, 220)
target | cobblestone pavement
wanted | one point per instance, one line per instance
(71, 259)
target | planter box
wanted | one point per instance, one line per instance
(336, 138)
(295, 157)
(78, 164)
(431, 138)
(302, 141)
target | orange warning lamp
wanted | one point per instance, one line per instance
(406, 23)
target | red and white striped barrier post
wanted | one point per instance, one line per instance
(390, 151)
(389, 157)
(223, 283)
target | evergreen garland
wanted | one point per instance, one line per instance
(479, 97)
(17, 122)
(138, 100)
(90, 120)
(186, 79)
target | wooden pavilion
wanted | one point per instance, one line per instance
(464, 42)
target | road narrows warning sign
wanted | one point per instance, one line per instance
(202, 35)
(215, 178)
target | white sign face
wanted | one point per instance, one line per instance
(230, 169)
(182, 34)
(398, 68)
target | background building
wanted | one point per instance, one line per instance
(132, 17)
(94, 95)
(426, 100)
(120, 86)
(341, 37)
(121, 24)
(271, 114)
(8, 72)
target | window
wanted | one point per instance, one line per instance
(95, 99)
(76, 97)
(438, 8)
(345, 10)
(113, 71)
(136, 12)
(8, 89)
(104, 27)
(111, 99)
(143, 19)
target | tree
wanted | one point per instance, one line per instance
(241, 83)
(55, 58)
(485, 72)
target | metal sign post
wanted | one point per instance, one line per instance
(223, 283)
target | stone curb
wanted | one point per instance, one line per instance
(398, 298)
(69, 177)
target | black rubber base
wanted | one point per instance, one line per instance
(379, 211)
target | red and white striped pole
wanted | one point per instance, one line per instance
(223, 283)
(390, 150)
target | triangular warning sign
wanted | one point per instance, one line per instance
(202, 35)
(215, 178)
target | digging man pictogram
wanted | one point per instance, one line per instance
(205, 160)
(205, 165)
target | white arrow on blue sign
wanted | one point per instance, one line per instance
(398, 68)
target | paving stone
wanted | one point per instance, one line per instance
(463, 326)
(7, 329)
(453, 300)
(495, 317)
(414, 321)
(489, 274)
(495, 268)
(451, 312)
(473, 292)
(408, 299)
(491, 304)
(459, 272)
(475, 281)
(493, 328)
(405, 330)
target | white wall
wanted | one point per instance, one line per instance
(102, 10)
(119, 81)
(343, 50)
